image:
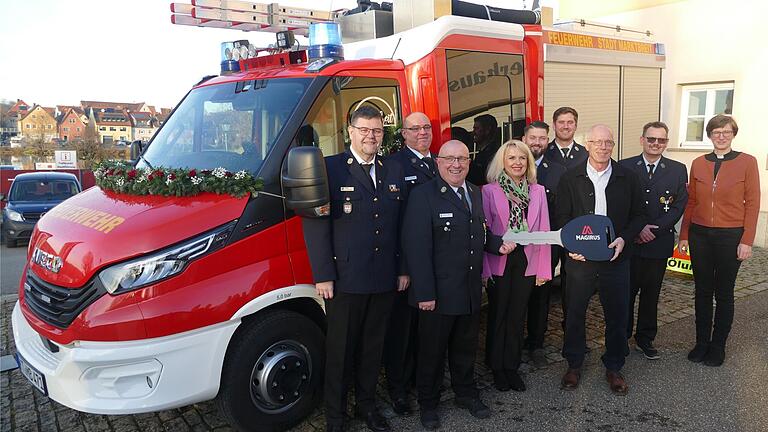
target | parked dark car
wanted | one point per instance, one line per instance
(30, 197)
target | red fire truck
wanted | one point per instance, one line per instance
(142, 303)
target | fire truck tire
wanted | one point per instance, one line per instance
(273, 372)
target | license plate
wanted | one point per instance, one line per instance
(33, 376)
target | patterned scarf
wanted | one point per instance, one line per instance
(518, 201)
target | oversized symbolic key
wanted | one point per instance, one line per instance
(588, 235)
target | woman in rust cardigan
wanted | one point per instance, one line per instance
(719, 226)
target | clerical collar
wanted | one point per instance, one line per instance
(712, 157)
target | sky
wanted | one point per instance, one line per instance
(57, 52)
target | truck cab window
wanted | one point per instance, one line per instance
(326, 123)
(486, 83)
(230, 125)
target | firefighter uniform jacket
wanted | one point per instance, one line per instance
(415, 170)
(358, 245)
(548, 174)
(577, 155)
(443, 244)
(664, 197)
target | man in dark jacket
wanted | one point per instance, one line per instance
(487, 142)
(548, 174)
(603, 187)
(400, 346)
(355, 257)
(444, 237)
(563, 149)
(663, 183)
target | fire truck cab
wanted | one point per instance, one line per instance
(132, 304)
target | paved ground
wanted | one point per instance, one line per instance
(11, 264)
(670, 394)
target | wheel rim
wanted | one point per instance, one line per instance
(280, 376)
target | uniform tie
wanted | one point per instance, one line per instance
(368, 167)
(565, 152)
(430, 163)
(650, 170)
(463, 198)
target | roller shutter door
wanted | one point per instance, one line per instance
(593, 90)
(641, 105)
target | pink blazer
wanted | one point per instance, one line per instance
(496, 208)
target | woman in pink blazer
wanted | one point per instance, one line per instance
(513, 200)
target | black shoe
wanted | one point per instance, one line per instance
(334, 428)
(698, 353)
(515, 381)
(715, 356)
(500, 381)
(401, 406)
(649, 351)
(376, 422)
(429, 419)
(475, 406)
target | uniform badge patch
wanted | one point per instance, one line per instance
(349, 161)
(446, 215)
(347, 207)
(347, 188)
(409, 178)
(394, 188)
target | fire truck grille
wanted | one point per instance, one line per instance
(58, 306)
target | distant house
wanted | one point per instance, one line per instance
(39, 122)
(143, 125)
(112, 126)
(116, 106)
(72, 123)
(9, 119)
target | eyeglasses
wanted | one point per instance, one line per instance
(453, 159)
(364, 131)
(416, 129)
(602, 143)
(652, 140)
(725, 133)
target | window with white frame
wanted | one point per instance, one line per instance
(699, 103)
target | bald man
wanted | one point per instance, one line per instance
(400, 345)
(600, 186)
(443, 238)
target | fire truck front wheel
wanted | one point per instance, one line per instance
(273, 372)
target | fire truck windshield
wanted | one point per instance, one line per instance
(232, 125)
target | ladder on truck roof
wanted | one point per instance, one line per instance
(248, 16)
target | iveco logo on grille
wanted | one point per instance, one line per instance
(47, 261)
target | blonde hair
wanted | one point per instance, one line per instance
(497, 163)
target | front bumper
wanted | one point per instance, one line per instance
(17, 230)
(129, 377)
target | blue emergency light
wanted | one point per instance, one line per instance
(325, 41)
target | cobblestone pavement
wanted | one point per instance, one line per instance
(24, 409)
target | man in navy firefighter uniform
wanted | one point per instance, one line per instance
(444, 237)
(357, 268)
(400, 346)
(663, 183)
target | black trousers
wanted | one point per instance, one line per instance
(354, 344)
(538, 308)
(508, 299)
(646, 276)
(612, 282)
(456, 334)
(400, 346)
(563, 254)
(713, 258)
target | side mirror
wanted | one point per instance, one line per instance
(136, 149)
(305, 182)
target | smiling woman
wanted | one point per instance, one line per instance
(513, 201)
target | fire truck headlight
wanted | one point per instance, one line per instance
(146, 270)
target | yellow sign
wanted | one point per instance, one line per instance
(597, 42)
(679, 262)
(95, 219)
